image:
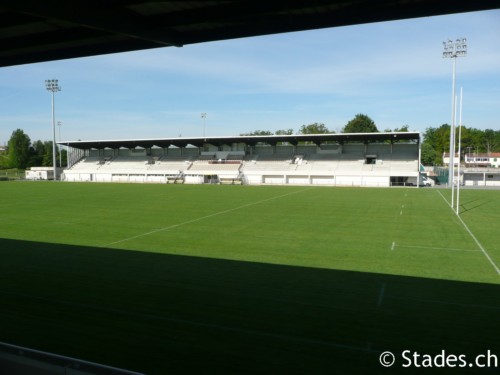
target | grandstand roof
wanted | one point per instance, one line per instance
(34, 31)
(249, 140)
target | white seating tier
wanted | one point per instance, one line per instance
(390, 160)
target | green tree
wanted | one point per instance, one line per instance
(47, 156)
(284, 132)
(258, 132)
(360, 124)
(466, 137)
(316, 128)
(428, 156)
(489, 140)
(37, 152)
(404, 128)
(439, 140)
(4, 160)
(472, 140)
(19, 150)
(41, 154)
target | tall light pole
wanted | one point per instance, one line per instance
(453, 50)
(52, 85)
(59, 125)
(204, 116)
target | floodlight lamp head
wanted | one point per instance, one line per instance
(52, 85)
(461, 47)
(448, 48)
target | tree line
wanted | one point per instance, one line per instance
(436, 140)
(22, 153)
(473, 141)
(361, 123)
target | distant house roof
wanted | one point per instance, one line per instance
(249, 140)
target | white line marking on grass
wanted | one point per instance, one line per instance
(480, 246)
(201, 218)
(436, 248)
(381, 295)
(215, 326)
(393, 246)
(442, 196)
(474, 238)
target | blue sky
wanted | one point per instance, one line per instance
(390, 71)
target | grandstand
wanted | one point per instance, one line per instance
(356, 159)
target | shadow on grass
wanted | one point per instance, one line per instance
(465, 207)
(160, 313)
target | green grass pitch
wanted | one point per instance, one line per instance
(240, 279)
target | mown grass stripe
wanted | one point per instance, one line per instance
(201, 218)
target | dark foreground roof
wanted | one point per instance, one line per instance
(249, 140)
(42, 30)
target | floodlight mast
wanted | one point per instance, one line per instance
(453, 50)
(52, 85)
(204, 117)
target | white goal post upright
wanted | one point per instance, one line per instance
(459, 150)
